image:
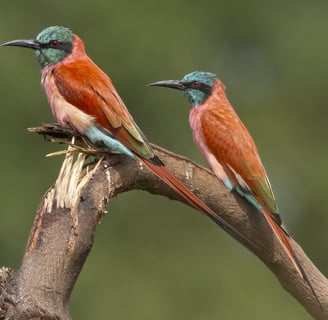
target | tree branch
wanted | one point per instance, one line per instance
(64, 227)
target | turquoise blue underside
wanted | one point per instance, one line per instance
(96, 136)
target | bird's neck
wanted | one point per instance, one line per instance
(218, 91)
(217, 96)
(217, 102)
(78, 53)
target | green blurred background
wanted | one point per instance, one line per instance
(154, 258)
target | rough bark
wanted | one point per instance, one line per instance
(64, 226)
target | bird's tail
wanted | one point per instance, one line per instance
(284, 240)
(161, 172)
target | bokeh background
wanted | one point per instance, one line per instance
(154, 258)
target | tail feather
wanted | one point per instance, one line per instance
(161, 172)
(284, 240)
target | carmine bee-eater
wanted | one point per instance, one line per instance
(83, 97)
(230, 151)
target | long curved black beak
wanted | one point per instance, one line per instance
(175, 84)
(26, 43)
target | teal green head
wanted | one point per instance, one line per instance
(51, 45)
(196, 86)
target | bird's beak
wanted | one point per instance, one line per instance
(175, 84)
(27, 43)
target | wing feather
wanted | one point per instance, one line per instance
(84, 85)
(232, 145)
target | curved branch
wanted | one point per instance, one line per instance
(63, 230)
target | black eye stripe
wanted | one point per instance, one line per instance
(66, 46)
(201, 87)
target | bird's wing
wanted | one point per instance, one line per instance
(84, 85)
(232, 145)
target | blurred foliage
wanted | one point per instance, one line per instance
(163, 260)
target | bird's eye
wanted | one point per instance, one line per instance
(54, 43)
(195, 84)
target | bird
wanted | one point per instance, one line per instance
(84, 98)
(229, 149)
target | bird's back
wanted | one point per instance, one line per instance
(229, 141)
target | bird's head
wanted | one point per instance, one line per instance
(51, 45)
(196, 86)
